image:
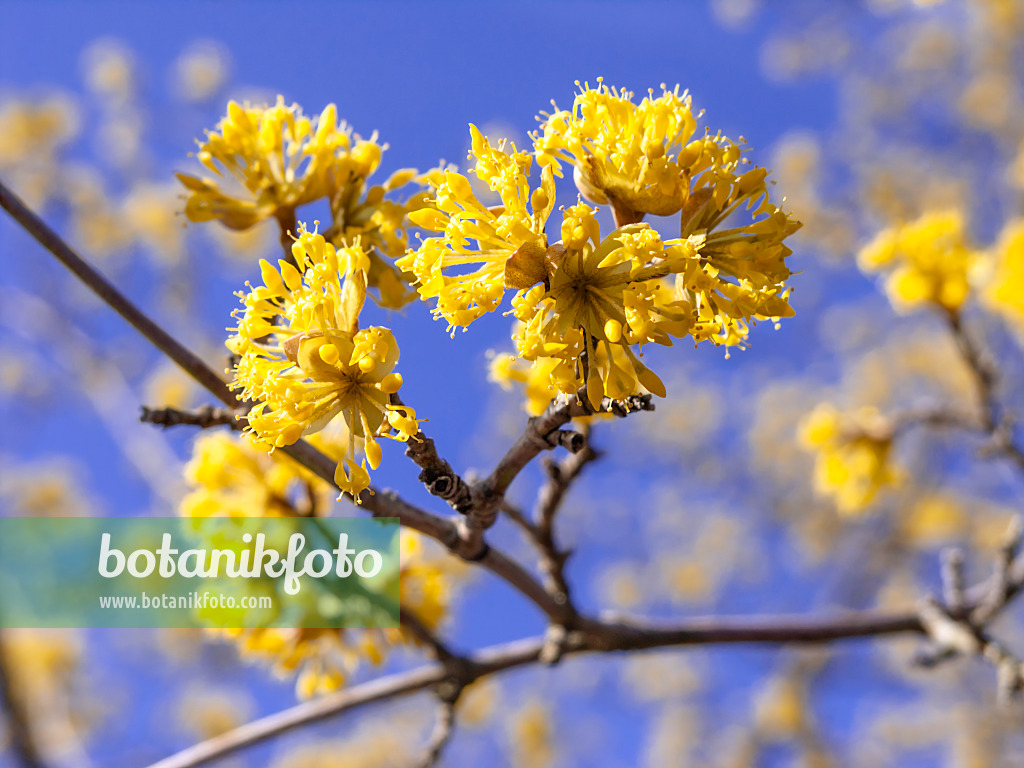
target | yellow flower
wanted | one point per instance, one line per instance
(33, 134)
(1004, 292)
(625, 153)
(304, 361)
(928, 261)
(277, 159)
(591, 302)
(535, 378)
(464, 268)
(642, 159)
(853, 455)
(598, 304)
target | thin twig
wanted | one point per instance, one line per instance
(117, 301)
(542, 433)
(959, 625)
(436, 473)
(981, 368)
(205, 417)
(561, 475)
(424, 636)
(444, 729)
(995, 423)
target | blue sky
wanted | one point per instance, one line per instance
(417, 72)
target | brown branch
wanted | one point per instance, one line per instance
(424, 636)
(561, 475)
(942, 418)
(597, 637)
(994, 422)
(982, 370)
(379, 504)
(117, 301)
(286, 225)
(542, 433)
(436, 473)
(958, 626)
(458, 672)
(622, 213)
(610, 635)
(443, 731)
(516, 515)
(205, 417)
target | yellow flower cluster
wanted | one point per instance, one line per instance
(853, 455)
(233, 476)
(304, 361)
(588, 303)
(1004, 292)
(928, 261)
(634, 155)
(276, 159)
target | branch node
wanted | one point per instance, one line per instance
(555, 640)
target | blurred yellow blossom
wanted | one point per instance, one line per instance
(234, 475)
(620, 584)
(781, 708)
(479, 702)
(109, 70)
(201, 70)
(531, 735)
(231, 475)
(1004, 292)
(98, 226)
(372, 745)
(304, 361)
(508, 370)
(210, 712)
(928, 261)
(150, 212)
(853, 455)
(169, 387)
(658, 676)
(32, 133)
(322, 659)
(934, 519)
(42, 664)
(43, 488)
